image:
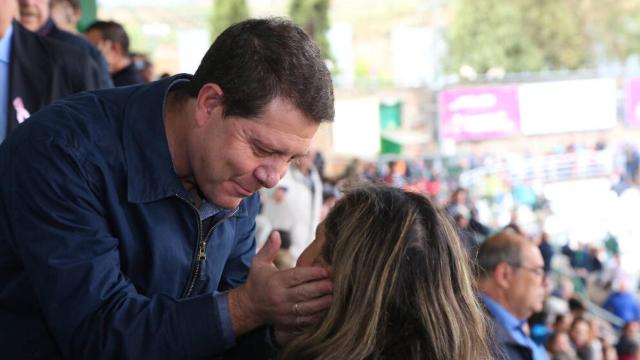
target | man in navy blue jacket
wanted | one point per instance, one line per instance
(127, 215)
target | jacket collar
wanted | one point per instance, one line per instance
(150, 170)
(47, 28)
(501, 331)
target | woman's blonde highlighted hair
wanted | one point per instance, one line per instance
(403, 288)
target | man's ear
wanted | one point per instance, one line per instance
(503, 275)
(208, 103)
(114, 47)
(77, 13)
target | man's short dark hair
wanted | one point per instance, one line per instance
(505, 246)
(111, 30)
(258, 60)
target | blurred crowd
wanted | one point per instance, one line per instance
(591, 310)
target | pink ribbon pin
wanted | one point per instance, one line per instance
(21, 113)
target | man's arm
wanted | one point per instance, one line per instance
(60, 229)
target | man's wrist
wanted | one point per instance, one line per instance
(243, 318)
(226, 326)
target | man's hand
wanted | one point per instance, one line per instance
(289, 300)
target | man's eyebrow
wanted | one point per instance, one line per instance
(297, 156)
(265, 146)
(270, 148)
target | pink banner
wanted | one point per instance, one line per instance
(479, 113)
(632, 102)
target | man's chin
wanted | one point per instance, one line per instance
(227, 202)
(29, 22)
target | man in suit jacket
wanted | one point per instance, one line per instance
(39, 71)
(35, 15)
(511, 282)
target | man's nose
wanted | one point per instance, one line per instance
(270, 174)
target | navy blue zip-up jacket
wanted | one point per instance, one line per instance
(99, 244)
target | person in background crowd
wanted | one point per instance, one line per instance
(581, 337)
(511, 282)
(563, 323)
(632, 163)
(396, 171)
(276, 209)
(466, 235)
(144, 65)
(628, 345)
(458, 203)
(434, 186)
(513, 224)
(319, 163)
(304, 201)
(329, 198)
(622, 302)
(402, 289)
(557, 303)
(546, 250)
(34, 70)
(127, 215)
(538, 329)
(576, 308)
(283, 259)
(35, 15)
(369, 172)
(559, 347)
(480, 231)
(66, 14)
(113, 41)
(602, 343)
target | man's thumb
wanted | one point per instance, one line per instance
(268, 252)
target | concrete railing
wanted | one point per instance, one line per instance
(549, 168)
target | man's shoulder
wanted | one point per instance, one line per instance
(128, 76)
(69, 38)
(76, 41)
(505, 347)
(80, 118)
(52, 49)
(498, 329)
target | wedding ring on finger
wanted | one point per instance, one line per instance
(296, 309)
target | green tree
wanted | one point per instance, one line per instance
(488, 33)
(517, 35)
(533, 35)
(612, 26)
(556, 30)
(313, 17)
(226, 13)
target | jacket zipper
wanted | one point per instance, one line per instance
(201, 248)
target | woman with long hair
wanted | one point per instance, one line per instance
(403, 287)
